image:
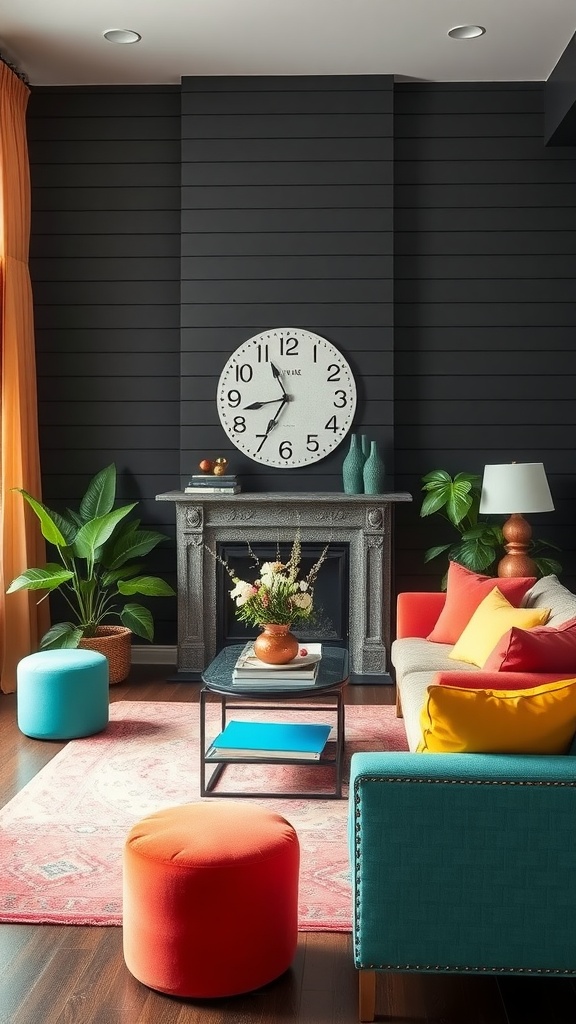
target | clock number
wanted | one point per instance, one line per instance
(234, 398)
(312, 443)
(333, 372)
(289, 347)
(239, 424)
(244, 372)
(314, 353)
(343, 399)
(285, 450)
(263, 353)
(261, 445)
(331, 425)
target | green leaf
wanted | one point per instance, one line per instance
(49, 578)
(473, 479)
(485, 532)
(435, 500)
(454, 496)
(436, 477)
(150, 585)
(548, 566)
(132, 545)
(87, 587)
(139, 620)
(100, 495)
(63, 634)
(97, 532)
(434, 552)
(48, 520)
(108, 578)
(459, 502)
(67, 527)
(75, 518)
(474, 555)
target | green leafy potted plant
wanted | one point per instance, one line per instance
(98, 548)
(480, 543)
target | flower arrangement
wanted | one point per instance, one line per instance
(276, 595)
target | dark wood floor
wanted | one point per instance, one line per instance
(51, 974)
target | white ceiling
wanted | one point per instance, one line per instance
(60, 42)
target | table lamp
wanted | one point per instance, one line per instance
(513, 489)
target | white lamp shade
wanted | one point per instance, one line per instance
(515, 487)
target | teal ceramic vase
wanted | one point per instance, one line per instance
(352, 467)
(374, 472)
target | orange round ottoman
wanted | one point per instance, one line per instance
(210, 898)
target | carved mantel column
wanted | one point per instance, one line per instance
(364, 522)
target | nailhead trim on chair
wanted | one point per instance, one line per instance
(458, 782)
(449, 968)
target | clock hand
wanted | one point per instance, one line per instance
(276, 374)
(272, 422)
(259, 405)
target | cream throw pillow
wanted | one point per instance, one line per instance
(493, 617)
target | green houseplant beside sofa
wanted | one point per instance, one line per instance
(461, 862)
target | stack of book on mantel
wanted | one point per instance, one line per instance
(251, 673)
(270, 740)
(209, 483)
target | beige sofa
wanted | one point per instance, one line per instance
(417, 661)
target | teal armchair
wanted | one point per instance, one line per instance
(462, 863)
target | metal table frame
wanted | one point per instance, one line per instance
(325, 698)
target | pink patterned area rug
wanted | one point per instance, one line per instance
(61, 836)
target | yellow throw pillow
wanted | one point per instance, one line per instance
(539, 720)
(493, 617)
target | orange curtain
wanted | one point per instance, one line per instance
(22, 620)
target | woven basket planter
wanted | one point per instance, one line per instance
(115, 643)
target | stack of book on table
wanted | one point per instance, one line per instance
(227, 483)
(250, 672)
(270, 740)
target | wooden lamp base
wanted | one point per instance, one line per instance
(516, 562)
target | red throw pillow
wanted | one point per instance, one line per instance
(540, 649)
(482, 680)
(465, 591)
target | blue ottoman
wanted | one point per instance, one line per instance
(63, 694)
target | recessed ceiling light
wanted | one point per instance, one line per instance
(467, 31)
(122, 35)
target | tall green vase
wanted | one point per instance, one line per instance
(352, 467)
(374, 472)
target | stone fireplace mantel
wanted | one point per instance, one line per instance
(363, 521)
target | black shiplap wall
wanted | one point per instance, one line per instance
(287, 220)
(105, 165)
(485, 312)
(286, 216)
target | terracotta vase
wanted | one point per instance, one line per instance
(115, 643)
(276, 645)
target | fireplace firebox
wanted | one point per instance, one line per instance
(331, 590)
(362, 522)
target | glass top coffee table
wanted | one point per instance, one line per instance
(323, 695)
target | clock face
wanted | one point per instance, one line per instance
(286, 397)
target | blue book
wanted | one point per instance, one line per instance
(271, 739)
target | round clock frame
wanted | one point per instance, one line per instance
(286, 397)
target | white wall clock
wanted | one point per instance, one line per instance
(286, 397)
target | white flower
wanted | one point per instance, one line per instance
(242, 592)
(303, 585)
(303, 601)
(268, 571)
